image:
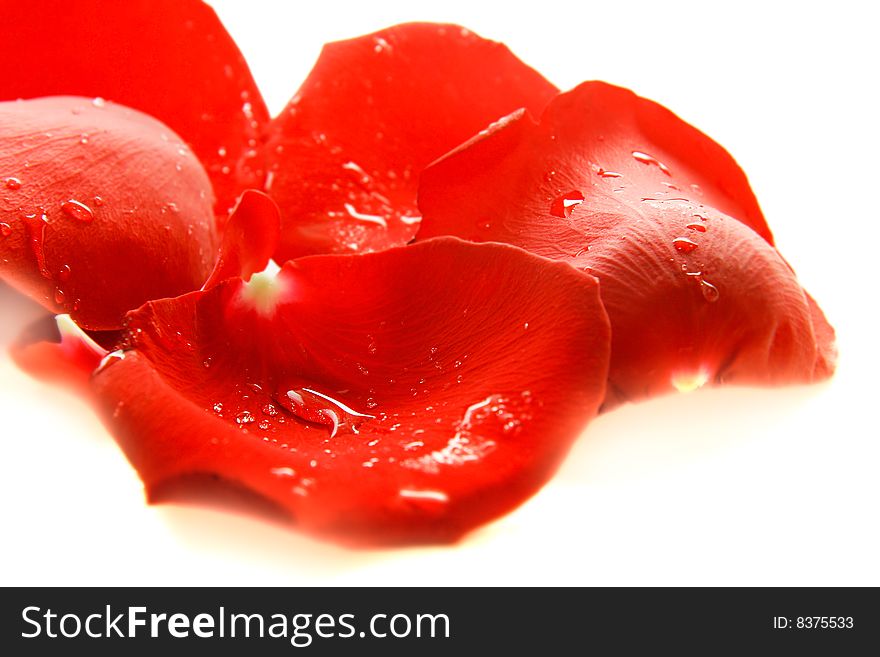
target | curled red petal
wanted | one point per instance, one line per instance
(345, 155)
(249, 239)
(101, 208)
(54, 349)
(171, 59)
(622, 189)
(373, 400)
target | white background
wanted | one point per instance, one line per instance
(716, 487)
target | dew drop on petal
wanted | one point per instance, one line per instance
(245, 417)
(12, 183)
(684, 245)
(5, 230)
(644, 158)
(608, 174)
(562, 206)
(697, 226)
(35, 224)
(710, 292)
(318, 408)
(79, 211)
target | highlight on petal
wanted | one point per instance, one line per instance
(249, 239)
(344, 157)
(375, 402)
(623, 190)
(171, 59)
(101, 209)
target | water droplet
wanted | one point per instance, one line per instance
(83, 139)
(423, 498)
(99, 201)
(221, 152)
(710, 292)
(312, 406)
(5, 230)
(270, 410)
(35, 224)
(99, 102)
(684, 245)
(381, 45)
(360, 216)
(697, 226)
(245, 417)
(79, 211)
(264, 425)
(12, 183)
(60, 297)
(563, 205)
(64, 273)
(608, 174)
(283, 472)
(644, 158)
(218, 407)
(701, 217)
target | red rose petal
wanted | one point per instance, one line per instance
(169, 58)
(621, 188)
(345, 155)
(373, 400)
(108, 210)
(250, 238)
(53, 350)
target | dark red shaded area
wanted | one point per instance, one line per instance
(49, 354)
(249, 240)
(344, 157)
(372, 400)
(693, 287)
(109, 209)
(171, 59)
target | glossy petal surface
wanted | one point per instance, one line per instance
(622, 189)
(249, 239)
(369, 398)
(101, 209)
(344, 157)
(171, 59)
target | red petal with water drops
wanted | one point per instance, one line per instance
(373, 400)
(619, 187)
(104, 208)
(345, 155)
(249, 240)
(169, 58)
